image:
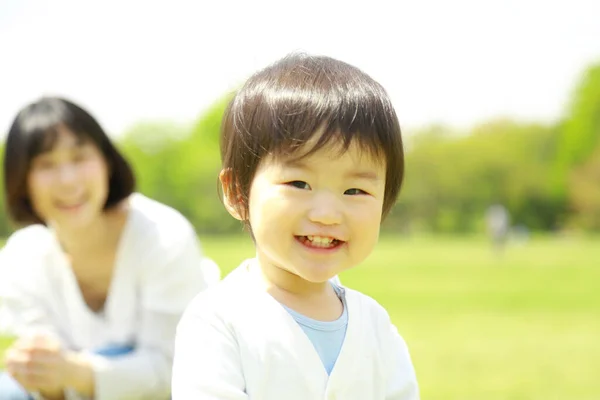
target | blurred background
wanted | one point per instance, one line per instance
(489, 263)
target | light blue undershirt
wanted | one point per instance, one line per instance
(326, 336)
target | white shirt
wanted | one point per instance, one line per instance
(158, 270)
(236, 342)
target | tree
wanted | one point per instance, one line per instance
(584, 193)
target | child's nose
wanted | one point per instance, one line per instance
(326, 209)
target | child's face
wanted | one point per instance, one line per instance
(320, 216)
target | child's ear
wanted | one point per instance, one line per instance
(233, 203)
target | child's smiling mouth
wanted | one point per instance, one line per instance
(319, 242)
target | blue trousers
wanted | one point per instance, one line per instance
(11, 390)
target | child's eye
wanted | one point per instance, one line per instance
(299, 184)
(354, 192)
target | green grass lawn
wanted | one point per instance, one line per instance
(523, 327)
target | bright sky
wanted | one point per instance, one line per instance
(454, 62)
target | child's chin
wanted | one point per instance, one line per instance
(315, 277)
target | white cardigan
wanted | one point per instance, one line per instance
(157, 273)
(235, 342)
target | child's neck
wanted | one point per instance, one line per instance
(314, 300)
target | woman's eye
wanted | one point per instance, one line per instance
(81, 154)
(79, 157)
(43, 164)
(354, 192)
(299, 184)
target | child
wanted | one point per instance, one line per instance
(312, 161)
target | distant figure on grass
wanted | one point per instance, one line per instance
(498, 225)
(94, 285)
(312, 162)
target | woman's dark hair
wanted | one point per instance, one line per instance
(35, 131)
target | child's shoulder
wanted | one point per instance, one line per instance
(376, 317)
(369, 307)
(224, 300)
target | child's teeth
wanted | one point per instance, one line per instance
(320, 241)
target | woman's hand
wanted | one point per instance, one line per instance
(39, 364)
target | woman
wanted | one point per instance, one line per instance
(94, 285)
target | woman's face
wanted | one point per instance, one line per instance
(68, 184)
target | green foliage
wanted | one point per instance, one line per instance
(584, 194)
(546, 175)
(180, 166)
(451, 181)
(581, 130)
